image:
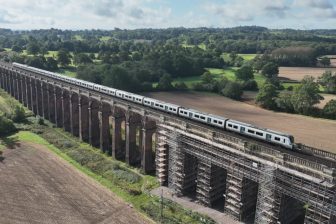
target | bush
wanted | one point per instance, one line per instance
(129, 177)
(19, 115)
(6, 126)
(233, 90)
(290, 88)
(329, 110)
(251, 85)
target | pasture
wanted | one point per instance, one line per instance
(314, 132)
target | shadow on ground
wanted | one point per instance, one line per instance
(10, 142)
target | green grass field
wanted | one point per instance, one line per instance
(246, 57)
(70, 72)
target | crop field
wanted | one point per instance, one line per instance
(310, 131)
(297, 73)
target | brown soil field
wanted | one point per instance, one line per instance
(297, 73)
(36, 186)
(319, 133)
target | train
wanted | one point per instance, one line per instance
(274, 137)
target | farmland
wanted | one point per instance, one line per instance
(310, 131)
(297, 73)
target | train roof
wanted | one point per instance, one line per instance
(263, 129)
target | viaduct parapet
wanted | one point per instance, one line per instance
(253, 182)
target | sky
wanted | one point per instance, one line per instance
(132, 14)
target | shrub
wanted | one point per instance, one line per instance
(19, 114)
(251, 85)
(129, 177)
(232, 90)
(6, 126)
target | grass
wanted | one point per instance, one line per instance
(246, 57)
(70, 72)
(105, 38)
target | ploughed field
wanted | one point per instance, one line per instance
(297, 73)
(319, 133)
(36, 186)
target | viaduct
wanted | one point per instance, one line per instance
(253, 182)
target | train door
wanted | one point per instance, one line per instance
(209, 120)
(242, 129)
(268, 137)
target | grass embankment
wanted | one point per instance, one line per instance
(126, 182)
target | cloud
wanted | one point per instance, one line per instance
(241, 10)
(321, 4)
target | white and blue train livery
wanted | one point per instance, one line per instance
(227, 124)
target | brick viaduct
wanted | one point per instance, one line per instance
(248, 180)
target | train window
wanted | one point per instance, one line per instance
(250, 131)
(284, 140)
(235, 126)
(196, 116)
(202, 117)
(230, 125)
(220, 122)
(276, 138)
(215, 121)
(259, 133)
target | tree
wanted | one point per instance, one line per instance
(245, 73)
(325, 61)
(266, 96)
(270, 70)
(51, 64)
(6, 126)
(206, 78)
(251, 85)
(33, 47)
(82, 58)
(19, 114)
(17, 49)
(329, 110)
(63, 57)
(328, 81)
(165, 83)
(284, 102)
(232, 90)
(306, 95)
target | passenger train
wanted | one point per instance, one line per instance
(227, 124)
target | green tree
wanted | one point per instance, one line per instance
(6, 126)
(17, 49)
(284, 102)
(165, 83)
(306, 95)
(63, 57)
(270, 70)
(232, 90)
(266, 96)
(206, 78)
(51, 64)
(245, 73)
(33, 48)
(328, 81)
(82, 58)
(325, 61)
(19, 114)
(329, 110)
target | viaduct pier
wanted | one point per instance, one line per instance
(252, 181)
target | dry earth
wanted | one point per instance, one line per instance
(297, 73)
(36, 186)
(315, 132)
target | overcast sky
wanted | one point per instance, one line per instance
(130, 14)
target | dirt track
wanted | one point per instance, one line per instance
(315, 132)
(36, 186)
